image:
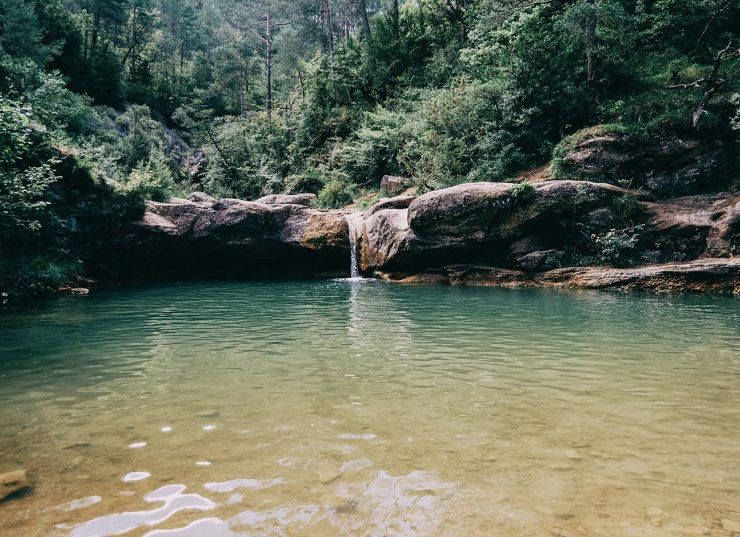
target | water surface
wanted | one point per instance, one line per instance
(364, 409)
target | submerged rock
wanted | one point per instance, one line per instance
(69, 290)
(12, 482)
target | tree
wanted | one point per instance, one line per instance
(710, 84)
(259, 21)
(21, 34)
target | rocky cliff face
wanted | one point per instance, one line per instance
(479, 233)
(529, 234)
(543, 233)
(664, 165)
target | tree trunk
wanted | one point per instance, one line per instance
(96, 27)
(365, 19)
(300, 81)
(241, 91)
(182, 67)
(268, 62)
(132, 48)
(329, 27)
(591, 42)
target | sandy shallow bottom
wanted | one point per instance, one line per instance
(365, 409)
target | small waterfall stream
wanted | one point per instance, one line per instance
(354, 270)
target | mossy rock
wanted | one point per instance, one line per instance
(664, 163)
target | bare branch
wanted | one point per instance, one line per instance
(711, 83)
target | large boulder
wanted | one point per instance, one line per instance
(723, 239)
(316, 230)
(504, 210)
(464, 209)
(387, 242)
(391, 184)
(234, 235)
(488, 222)
(688, 227)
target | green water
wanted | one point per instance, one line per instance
(366, 409)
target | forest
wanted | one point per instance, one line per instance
(243, 98)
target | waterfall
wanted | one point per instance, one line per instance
(354, 270)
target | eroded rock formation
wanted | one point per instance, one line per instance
(507, 234)
(477, 233)
(669, 164)
(231, 235)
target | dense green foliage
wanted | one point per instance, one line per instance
(250, 97)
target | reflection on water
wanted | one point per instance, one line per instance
(173, 500)
(358, 408)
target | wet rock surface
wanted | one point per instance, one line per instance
(704, 275)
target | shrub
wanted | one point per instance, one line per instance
(309, 181)
(36, 274)
(523, 190)
(335, 195)
(618, 247)
(152, 180)
(625, 206)
(373, 150)
(138, 136)
(26, 173)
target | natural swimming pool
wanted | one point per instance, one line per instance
(322, 408)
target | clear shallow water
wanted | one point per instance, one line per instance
(365, 409)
